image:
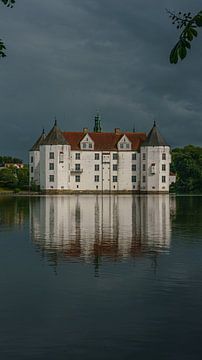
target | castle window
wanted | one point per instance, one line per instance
(143, 167)
(97, 156)
(77, 167)
(87, 145)
(114, 179)
(77, 156)
(77, 178)
(144, 179)
(97, 168)
(61, 157)
(164, 156)
(32, 169)
(133, 178)
(51, 178)
(51, 166)
(115, 156)
(124, 145)
(143, 156)
(163, 167)
(51, 155)
(96, 178)
(32, 159)
(134, 156)
(163, 179)
(133, 167)
(114, 167)
(153, 168)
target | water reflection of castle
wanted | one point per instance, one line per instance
(90, 226)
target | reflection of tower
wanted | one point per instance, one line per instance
(92, 227)
(155, 221)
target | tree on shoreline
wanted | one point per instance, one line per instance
(8, 3)
(12, 178)
(187, 164)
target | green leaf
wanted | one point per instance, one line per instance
(198, 20)
(8, 3)
(186, 43)
(174, 55)
(189, 34)
(194, 31)
(182, 51)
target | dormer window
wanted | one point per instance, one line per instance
(87, 143)
(124, 143)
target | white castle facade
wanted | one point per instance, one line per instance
(100, 161)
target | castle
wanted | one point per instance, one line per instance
(100, 161)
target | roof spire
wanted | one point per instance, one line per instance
(97, 127)
(40, 140)
(55, 136)
(154, 138)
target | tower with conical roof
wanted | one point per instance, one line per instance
(34, 160)
(54, 161)
(97, 126)
(154, 163)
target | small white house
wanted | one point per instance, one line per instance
(100, 161)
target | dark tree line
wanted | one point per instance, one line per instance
(187, 163)
(9, 160)
(12, 178)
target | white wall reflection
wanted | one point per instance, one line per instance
(89, 226)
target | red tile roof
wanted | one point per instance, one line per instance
(104, 141)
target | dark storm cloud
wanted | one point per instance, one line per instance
(70, 57)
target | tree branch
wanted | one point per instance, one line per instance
(189, 24)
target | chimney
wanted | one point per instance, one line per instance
(85, 130)
(117, 131)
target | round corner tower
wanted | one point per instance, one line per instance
(154, 163)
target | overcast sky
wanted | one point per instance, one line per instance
(68, 58)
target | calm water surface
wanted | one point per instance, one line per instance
(92, 277)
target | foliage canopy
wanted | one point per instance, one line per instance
(187, 163)
(188, 25)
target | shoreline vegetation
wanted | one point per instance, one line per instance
(186, 163)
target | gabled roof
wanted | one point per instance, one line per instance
(124, 136)
(55, 137)
(154, 138)
(104, 141)
(37, 144)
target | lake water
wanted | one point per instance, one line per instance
(101, 277)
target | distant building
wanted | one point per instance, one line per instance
(100, 161)
(11, 165)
